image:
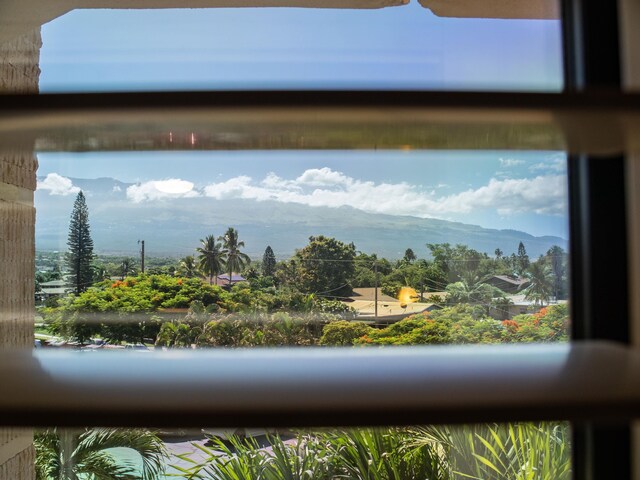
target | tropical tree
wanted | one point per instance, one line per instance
(127, 268)
(72, 455)
(80, 255)
(268, 262)
(236, 260)
(188, 267)
(457, 262)
(540, 288)
(177, 334)
(211, 257)
(100, 272)
(499, 253)
(472, 291)
(325, 266)
(409, 256)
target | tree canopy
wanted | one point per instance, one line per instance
(325, 266)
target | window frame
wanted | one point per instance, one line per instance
(598, 219)
(592, 63)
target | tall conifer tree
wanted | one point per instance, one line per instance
(268, 262)
(80, 254)
(523, 259)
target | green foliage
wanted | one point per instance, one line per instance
(268, 262)
(391, 288)
(384, 454)
(128, 268)
(188, 267)
(68, 455)
(364, 271)
(366, 454)
(456, 262)
(520, 451)
(540, 288)
(522, 263)
(237, 459)
(262, 329)
(473, 292)
(211, 258)
(80, 254)
(420, 275)
(409, 256)
(148, 293)
(557, 260)
(123, 310)
(415, 330)
(176, 334)
(343, 333)
(235, 259)
(325, 266)
(458, 324)
(550, 324)
(263, 283)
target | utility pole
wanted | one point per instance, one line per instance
(375, 292)
(141, 242)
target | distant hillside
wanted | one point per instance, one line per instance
(174, 227)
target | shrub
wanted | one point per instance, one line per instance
(342, 333)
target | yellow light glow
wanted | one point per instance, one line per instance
(407, 295)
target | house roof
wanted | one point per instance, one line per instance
(387, 311)
(55, 290)
(512, 280)
(520, 300)
(368, 294)
(235, 277)
(54, 283)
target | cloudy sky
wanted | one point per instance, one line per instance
(515, 190)
(400, 47)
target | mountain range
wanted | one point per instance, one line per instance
(173, 227)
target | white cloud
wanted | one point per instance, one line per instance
(117, 188)
(323, 177)
(543, 194)
(58, 185)
(510, 162)
(159, 189)
(554, 165)
(241, 187)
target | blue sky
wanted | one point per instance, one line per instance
(398, 47)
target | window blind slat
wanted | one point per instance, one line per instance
(595, 123)
(321, 387)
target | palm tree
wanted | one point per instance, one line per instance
(71, 455)
(177, 334)
(541, 287)
(127, 268)
(100, 272)
(188, 267)
(236, 260)
(211, 257)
